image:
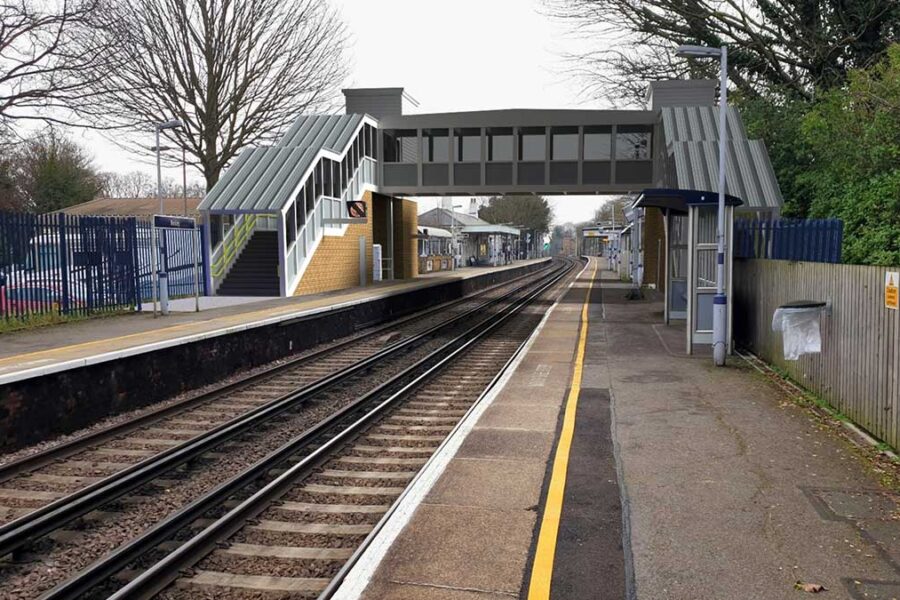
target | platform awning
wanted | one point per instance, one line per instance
(433, 232)
(678, 200)
(491, 228)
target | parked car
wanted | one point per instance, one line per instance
(34, 297)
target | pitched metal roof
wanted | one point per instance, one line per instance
(699, 124)
(331, 132)
(441, 217)
(261, 180)
(748, 172)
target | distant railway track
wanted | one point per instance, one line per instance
(272, 420)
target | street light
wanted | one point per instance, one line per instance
(160, 127)
(720, 302)
(163, 277)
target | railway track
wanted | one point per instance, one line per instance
(197, 460)
(36, 481)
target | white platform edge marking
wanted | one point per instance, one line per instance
(196, 337)
(361, 574)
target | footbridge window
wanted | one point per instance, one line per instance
(597, 168)
(498, 170)
(564, 155)
(633, 164)
(401, 153)
(435, 156)
(532, 154)
(467, 156)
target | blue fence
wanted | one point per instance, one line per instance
(177, 248)
(80, 265)
(810, 240)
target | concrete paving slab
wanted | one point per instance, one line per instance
(446, 546)
(512, 484)
(500, 443)
(519, 416)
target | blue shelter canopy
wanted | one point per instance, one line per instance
(679, 200)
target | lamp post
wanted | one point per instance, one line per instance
(720, 301)
(162, 275)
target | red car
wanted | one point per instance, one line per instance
(33, 297)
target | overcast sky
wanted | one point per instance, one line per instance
(450, 56)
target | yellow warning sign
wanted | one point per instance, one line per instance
(892, 290)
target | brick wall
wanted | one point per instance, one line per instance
(335, 263)
(654, 248)
(405, 228)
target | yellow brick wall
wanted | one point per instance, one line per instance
(335, 263)
(405, 247)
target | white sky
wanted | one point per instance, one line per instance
(450, 56)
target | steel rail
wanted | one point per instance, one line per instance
(22, 531)
(126, 554)
(80, 443)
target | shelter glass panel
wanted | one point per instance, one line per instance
(706, 224)
(564, 143)
(310, 195)
(401, 145)
(706, 268)
(633, 142)
(300, 209)
(532, 144)
(319, 180)
(435, 146)
(328, 172)
(597, 143)
(467, 145)
(289, 229)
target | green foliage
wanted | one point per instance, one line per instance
(854, 137)
(839, 157)
(778, 123)
(54, 172)
(525, 211)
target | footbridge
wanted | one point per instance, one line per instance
(278, 208)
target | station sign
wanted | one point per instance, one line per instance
(356, 209)
(892, 290)
(167, 222)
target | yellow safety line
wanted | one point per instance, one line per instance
(542, 569)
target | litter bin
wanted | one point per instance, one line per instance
(798, 323)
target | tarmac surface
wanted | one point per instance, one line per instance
(684, 481)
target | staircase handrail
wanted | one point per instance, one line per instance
(232, 244)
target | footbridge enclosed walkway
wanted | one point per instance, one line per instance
(609, 464)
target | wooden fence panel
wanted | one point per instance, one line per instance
(858, 370)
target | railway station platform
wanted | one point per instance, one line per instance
(58, 378)
(609, 464)
(44, 350)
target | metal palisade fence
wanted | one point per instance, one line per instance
(811, 240)
(58, 264)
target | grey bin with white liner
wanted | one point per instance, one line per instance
(798, 323)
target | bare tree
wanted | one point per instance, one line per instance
(235, 72)
(134, 184)
(788, 45)
(44, 74)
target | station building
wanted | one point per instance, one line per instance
(279, 223)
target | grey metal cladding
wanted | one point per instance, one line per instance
(699, 123)
(748, 172)
(516, 117)
(228, 181)
(260, 182)
(262, 179)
